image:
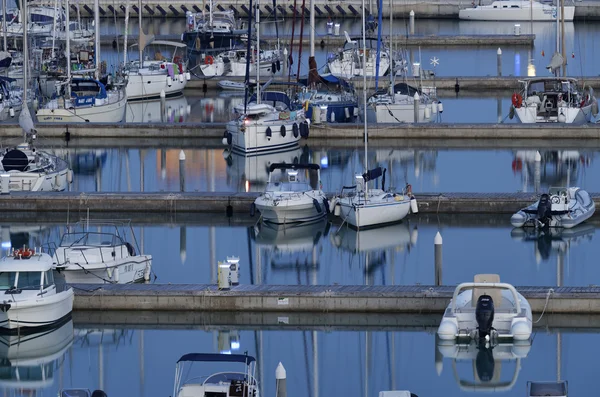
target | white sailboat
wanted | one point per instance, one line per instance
(515, 10)
(85, 99)
(355, 61)
(365, 207)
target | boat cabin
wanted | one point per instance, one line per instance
(291, 180)
(92, 247)
(550, 94)
(26, 270)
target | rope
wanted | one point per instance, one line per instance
(86, 271)
(548, 294)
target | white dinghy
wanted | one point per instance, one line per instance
(293, 199)
(560, 207)
(486, 309)
(32, 300)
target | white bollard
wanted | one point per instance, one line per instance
(182, 171)
(437, 243)
(5, 184)
(411, 23)
(499, 52)
(336, 29)
(281, 380)
(517, 30)
(416, 106)
(537, 172)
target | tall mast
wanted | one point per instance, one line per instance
(393, 72)
(562, 33)
(140, 33)
(312, 28)
(25, 24)
(97, 38)
(364, 61)
(126, 32)
(4, 23)
(68, 40)
(257, 19)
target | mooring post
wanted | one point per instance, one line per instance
(437, 243)
(411, 22)
(499, 52)
(281, 379)
(182, 171)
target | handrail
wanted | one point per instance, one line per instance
(471, 285)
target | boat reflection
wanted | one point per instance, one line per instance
(251, 173)
(215, 109)
(552, 168)
(559, 240)
(398, 237)
(28, 363)
(486, 361)
(170, 110)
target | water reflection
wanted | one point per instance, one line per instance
(485, 362)
(170, 110)
(557, 240)
(30, 363)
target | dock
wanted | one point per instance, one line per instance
(239, 203)
(588, 10)
(396, 299)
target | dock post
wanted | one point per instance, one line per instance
(499, 61)
(416, 106)
(437, 243)
(181, 171)
(280, 378)
(5, 183)
(411, 22)
(537, 172)
(285, 61)
(163, 107)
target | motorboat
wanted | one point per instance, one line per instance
(269, 124)
(32, 300)
(548, 240)
(397, 105)
(222, 384)
(293, 198)
(34, 170)
(560, 207)
(233, 63)
(30, 361)
(101, 256)
(363, 207)
(486, 309)
(553, 100)
(348, 61)
(516, 10)
(89, 101)
(559, 388)
(487, 362)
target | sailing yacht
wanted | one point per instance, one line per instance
(363, 207)
(352, 60)
(85, 98)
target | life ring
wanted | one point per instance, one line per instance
(209, 60)
(23, 253)
(517, 100)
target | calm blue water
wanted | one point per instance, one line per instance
(354, 363)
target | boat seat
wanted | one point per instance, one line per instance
(494, 293)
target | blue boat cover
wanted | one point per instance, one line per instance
(213, 357)
(273, 96)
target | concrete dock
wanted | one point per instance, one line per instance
(78, 204)
(332, 131)
(417, 299)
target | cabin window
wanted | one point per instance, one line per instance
(48, 279)
(495, 6)
(514, 6)
(7, 280)
(504, 6)
(29, 280)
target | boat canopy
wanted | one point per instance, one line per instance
(273, 96)
(286, 166)
(212, 357)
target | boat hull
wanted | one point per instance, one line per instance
(400, 113)
(254, 139)
(373, 213)
(543, 13)
(39, 182)
(291, 211)
(529, 115)
(149, 86)
(109, 113)
(130, 270)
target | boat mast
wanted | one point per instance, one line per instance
(56, 13)
(562, 33)
(97, 37)
(312, 30)
(140, 34)
(392, 70)
(126, 32)
(257, 20)
(364, 56)
(68, 49)
(25, 24)
(248, 51)
(4, 23)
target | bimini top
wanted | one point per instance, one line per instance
(273, 96)
(211, 357)
(286, 166)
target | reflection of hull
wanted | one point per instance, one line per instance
(553, 239)
(487, 363)
(29, 360)
(297, 237)
(393, 236)
(175, 110)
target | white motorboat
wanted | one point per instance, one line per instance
(261, 127)
(30, 361)
(560, 207)
(31, 298)
(515, 10)
(348, 62)
(101, 256)
(222, 384)
(292, 199)
(399, 106)
(486, 309)
(487, 360)
(559, 388)
(363, 207)
(553, 100)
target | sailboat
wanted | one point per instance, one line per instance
(268, 121)
(28, 168)
(146, 79)
(364, 207)
(85, 99)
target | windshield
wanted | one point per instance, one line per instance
(26, 280)
(90, 239)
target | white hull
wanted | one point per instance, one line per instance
(128, 270)
(292, 210)
(374, 212)
(573, 115)
(109, 113)
(41, 312)
(254, 139)
(347, 68)
(147, 86)
(39, 182)
(400, 113)
(523, 13)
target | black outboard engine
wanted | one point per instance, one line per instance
(544, 209)
(484, 362)
(484, 315)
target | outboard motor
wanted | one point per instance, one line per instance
(484, 315)
(544, 209)
(484, 362)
